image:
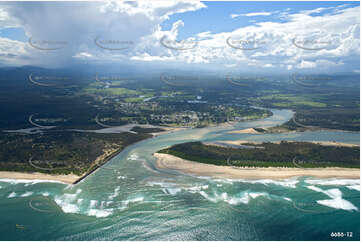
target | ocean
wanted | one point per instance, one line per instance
(130, 199)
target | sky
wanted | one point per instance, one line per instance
(270, 37)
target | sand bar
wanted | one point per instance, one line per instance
(68, 179)
(165, 161)
(244, 131)
(325, 143)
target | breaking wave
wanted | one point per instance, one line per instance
(336, 200)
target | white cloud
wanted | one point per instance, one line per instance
(140, 22)
(7, 21)
(252, 14)
(317, 10)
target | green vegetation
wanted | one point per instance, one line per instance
(333, 105)
(141, 130)
(122, 99)
(60, 152)
(307, 155)
(287, 100)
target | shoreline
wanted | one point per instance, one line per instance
(323, 143)
(115, 153)
(244, 131)
(165, 161)
(67, 179)
(72, 178)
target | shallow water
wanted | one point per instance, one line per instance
(129, 199)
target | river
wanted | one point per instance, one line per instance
(129, 199)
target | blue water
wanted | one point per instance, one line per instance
(129, 199)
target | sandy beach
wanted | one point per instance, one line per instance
(325, 143)
(165, 161)
(167, 130)
(68, 179)
(244, 131)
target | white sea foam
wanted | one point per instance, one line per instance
(100, 213)
(257, 194)
(102, 203)
(133, 157)
(161, 184)
(173, 188)
(196, 189)
(122, 177)
(27, 194)
(69, 186)
(11, 195)
(243, 197)
(167, 187)
(333, 182)
(66, 206)
(209, 198)
(133, 200)
(336, 201)
(66, 201)
(354, 187)
(171, 191)
(287, 199)
(93, 203)
(69, 197)
(31, 182)
(45, 194)
(116, 193)
(224, 180)
(315, 188)
(291, 183)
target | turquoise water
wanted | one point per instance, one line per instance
(129, 199)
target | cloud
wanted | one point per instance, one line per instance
(7, 21)
(252, 14)
(111, 21)
(326, 42)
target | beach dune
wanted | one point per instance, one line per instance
(68, 179)
(165, 161)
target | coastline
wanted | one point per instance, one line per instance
(72, 178)
(202, 169)
(67, 179)
(165, 161)
(324, 143)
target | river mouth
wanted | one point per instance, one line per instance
(130, 199)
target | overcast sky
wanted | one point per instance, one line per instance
(268, 36)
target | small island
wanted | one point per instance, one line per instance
(262, 160)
